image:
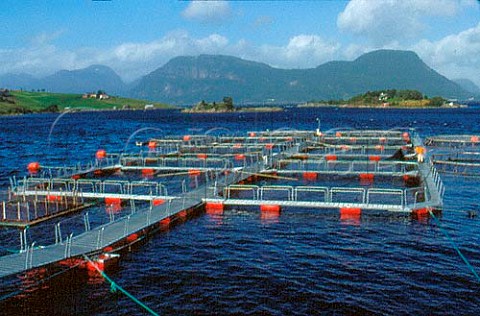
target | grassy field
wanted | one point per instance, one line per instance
(27, 102)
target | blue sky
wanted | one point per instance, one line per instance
(135, 37)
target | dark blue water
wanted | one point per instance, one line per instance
(301, 263)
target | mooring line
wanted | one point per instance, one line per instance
(114, 286)
(444, 231)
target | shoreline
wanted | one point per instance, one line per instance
(84, 111)
(351, 106)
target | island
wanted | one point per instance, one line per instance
(390, 98)
(225, 106)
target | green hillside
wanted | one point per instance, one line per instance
(32, 102)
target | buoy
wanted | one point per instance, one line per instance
(113, 200)
(338, 134)
(353, 140)
(214, 208)
(76, 176)
(157, 202)
(108, 249)
(101, 154)
(350, 213)
(33, 167)
(194, 172)
(202, 156)
(237, 146)
(366, 178)
(374, 158)
(270, 208)
(165, 221)
(382, 140)
(148, 172)
(331, 157)
(345, 147)
(310, 176)
(239, 157)
(131, 238)
(474, 139)
(269, 146)
(54, 198)
(152, 145)
(186, 138)
(252, 134)
(182, 213)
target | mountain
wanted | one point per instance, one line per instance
(19, 81)
(93, 78)
(187, 80)
(90, 79)
(468, 85)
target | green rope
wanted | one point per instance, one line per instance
(454, 245)
(114, 287)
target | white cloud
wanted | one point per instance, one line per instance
(456, 55)
(210, 11)
(301, 51)
(391, 20)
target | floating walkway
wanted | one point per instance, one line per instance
(349, 171)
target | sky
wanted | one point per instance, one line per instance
(135, 37)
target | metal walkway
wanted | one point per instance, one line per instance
(224, 189)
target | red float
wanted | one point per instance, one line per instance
(152, 144)
(33, 167)
(165, 221)
(310, 176)
(113, 200)
(157, 202)
(202, 156)
(101, 154)
(148, 172)
(474, 139)
(194, 172)
(54, 198)
(131, 238)
(374, 158)
(186, 138)
(270, 208)
(350, 213)
(331, 157)
(239, 157)
(214, 208)
(269, 146)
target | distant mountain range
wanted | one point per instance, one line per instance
(90, 79)
(187, 80)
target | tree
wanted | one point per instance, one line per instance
(228, 102)
(436, 101)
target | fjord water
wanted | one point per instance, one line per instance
(303, 262)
